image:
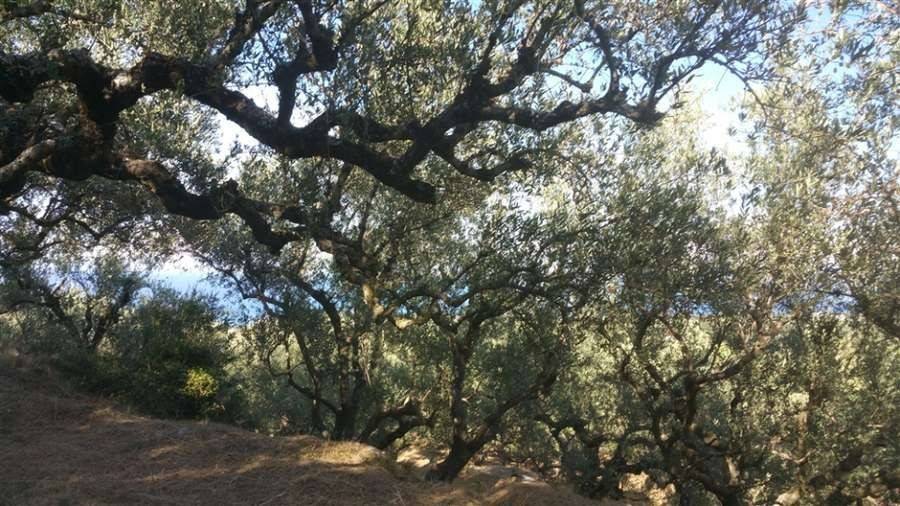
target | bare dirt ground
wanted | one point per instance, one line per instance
(59, 447)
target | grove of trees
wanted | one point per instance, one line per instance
(495, 228)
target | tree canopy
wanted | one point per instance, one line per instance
(495, 227)
(359, 84)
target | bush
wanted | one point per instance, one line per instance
(167, 358)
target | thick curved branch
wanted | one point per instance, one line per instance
(407, 415)
(246, 25)
(349, 136)
(16, 10)
(28, 158)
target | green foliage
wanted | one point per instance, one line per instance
(623, 301)
(200, 384)
(167, 358)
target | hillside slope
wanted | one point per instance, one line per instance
(60, 447)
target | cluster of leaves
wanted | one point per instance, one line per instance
(117, 334)
(168, 358)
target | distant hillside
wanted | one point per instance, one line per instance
(61, 447)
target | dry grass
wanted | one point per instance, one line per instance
(60, 447)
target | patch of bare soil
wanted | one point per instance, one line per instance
(60, 447)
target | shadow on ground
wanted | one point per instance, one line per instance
(59, 447)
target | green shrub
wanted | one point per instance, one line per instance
(167, 358)
(200, 384)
